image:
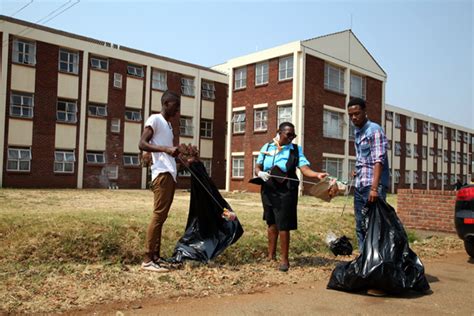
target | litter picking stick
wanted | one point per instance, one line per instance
(279, 177)
(347, 195)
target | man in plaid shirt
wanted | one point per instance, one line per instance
(372, 172)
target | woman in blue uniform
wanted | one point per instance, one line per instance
(279, 195)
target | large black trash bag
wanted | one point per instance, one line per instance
(207, 233)
(386, 261)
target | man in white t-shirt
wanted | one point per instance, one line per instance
(157, 138)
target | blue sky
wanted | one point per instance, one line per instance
(425, 47)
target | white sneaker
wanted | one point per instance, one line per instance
(152, 266)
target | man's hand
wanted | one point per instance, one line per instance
(173, 151)
(321, 175)
(263, 175)
(373, 196)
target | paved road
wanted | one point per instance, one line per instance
(451, 279)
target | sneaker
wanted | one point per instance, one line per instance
(152, 266)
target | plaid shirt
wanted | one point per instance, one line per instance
(371, 147)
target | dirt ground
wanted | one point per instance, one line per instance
(451, 278)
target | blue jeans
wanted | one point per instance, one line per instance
(361, 196)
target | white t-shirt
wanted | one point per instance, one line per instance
(162, 136)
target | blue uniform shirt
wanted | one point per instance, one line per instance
(274, 158)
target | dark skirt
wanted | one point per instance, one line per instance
(279, 205)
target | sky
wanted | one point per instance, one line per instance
(425, 47)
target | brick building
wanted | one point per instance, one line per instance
(72, 109)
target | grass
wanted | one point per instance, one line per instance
(65, 249)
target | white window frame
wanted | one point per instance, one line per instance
(21, 157)
(329, 161)
(238, 167)
(95, 157)
(284, 114)
(208, 90)
(186, 126)
(414, 176)
(99, 63)
(63, 158)
(423, 177)
(398, 123)
(115, 125)
(415, 151)
(70, 61)
(26, 54)
(425, 127)
(261, 73)
(408, 123)
(424, 152)
(389, 115)
(238, 122)
(187, 87)
(133, 115)
(285, 68)
(97, 110)
(70, 111)
(408, 149)
(396, 175)
(112, 172)
(240, 78)
(25, 104)
(207, 162)
(352, 133)
(330, 120)
(260, 122)
(118, 80)
(135, 70)
(398, 149)
(159, 80)
(206, 128)
(362, 82)
(333, 78)
(131, 160)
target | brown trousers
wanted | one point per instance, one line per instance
(163, 192)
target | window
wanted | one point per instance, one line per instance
(357, 86)
(432, 177)
(465, 137)
(254, 163)
(117, 80)
(66, 111)
(407, 176)
(459, 157)
(159, 80)
(333, 166)
(439, 153)
(187, 87)
(453, 157)
(453, 134)
(68, 61)
(24, 52)
(389, 144)
(446, 156)
(415, 125)
(64, 161)
(237, 167)
(206, 128)
(285, 113)
(260, 120)
(424, 152)
(408, 123)
(208, 164)
(453, 178)
(184, 173)
(423, 177)
(21, 105)
(115, 126)
(131, 160)
(398, 149)
(439, 128)
(408, 150)
(459, 136)
(285, 68)
(446, 133)
(432, 127)
(238, 122)
(185, 126)
(112, 172)
(425, 127)
(240, 80)
(136, 71)
(97, 110)
(432, 151)
(95, 157)
(208, 90)
(19, 159)
(389, 115)
(464, 158)
(415, 151)
(352, 133)
(415, 177)
(333, 124)
(397, 176)
(133, 115)
(352, 167)
(445, 179)
(99, 63)
(261, 73)
(398, 123)
(333, 78)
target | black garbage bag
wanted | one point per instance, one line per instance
(341, 246)
(386, 261)
(207, 234)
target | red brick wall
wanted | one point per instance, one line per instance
(427, 210)
(252, 141)
(219, 134)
